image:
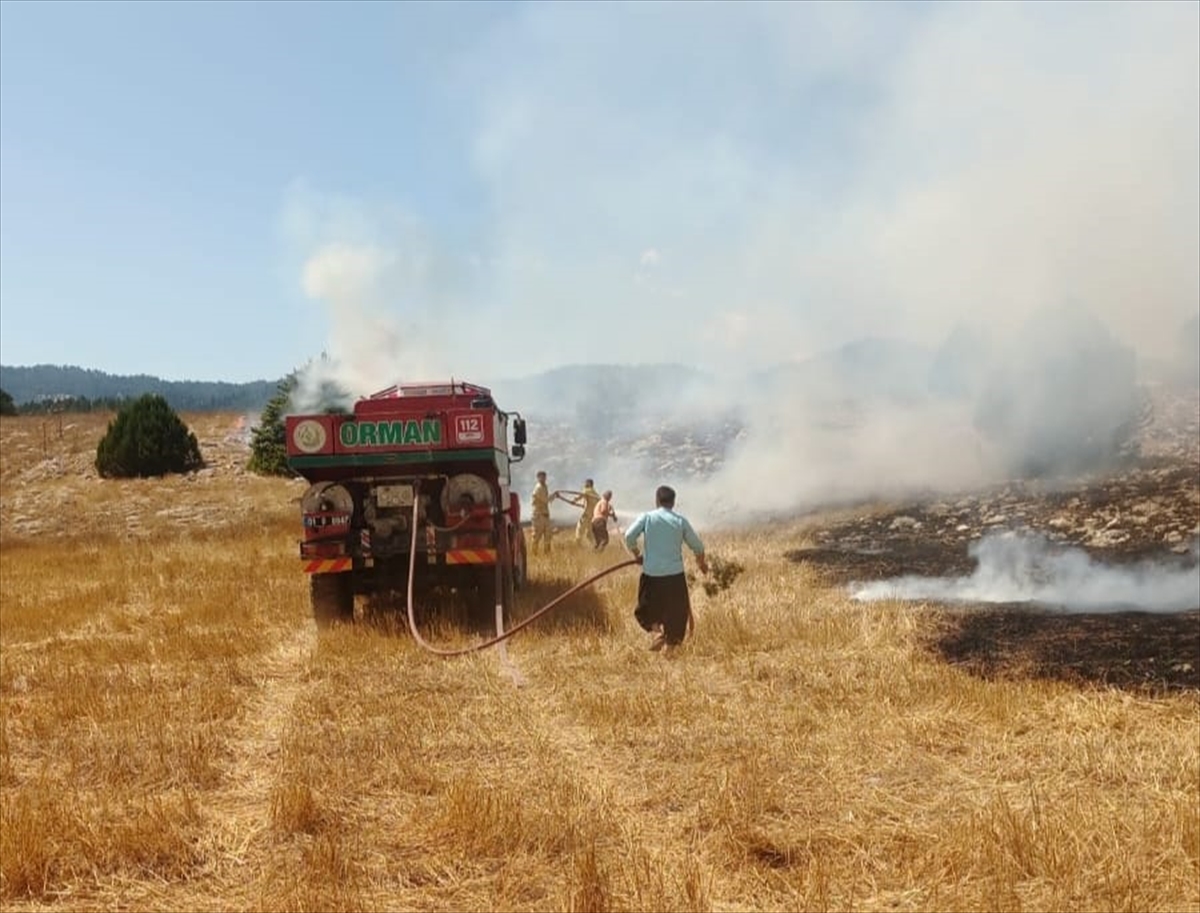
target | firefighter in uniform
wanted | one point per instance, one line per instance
(588, 499)
(541, 513)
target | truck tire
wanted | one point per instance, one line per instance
(332, 598)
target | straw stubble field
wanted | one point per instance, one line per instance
(178, 735)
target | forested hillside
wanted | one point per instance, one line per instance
(37, 386)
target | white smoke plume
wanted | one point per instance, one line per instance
(390, 294)
(740, 186)
(1015, 568)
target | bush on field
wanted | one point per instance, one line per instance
(147, 438)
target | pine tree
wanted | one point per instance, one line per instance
(145, 439)
(268, 445)
(7, 406)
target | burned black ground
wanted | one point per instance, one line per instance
(1152, 512)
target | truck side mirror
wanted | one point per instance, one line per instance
(519, 432)
(518, 452)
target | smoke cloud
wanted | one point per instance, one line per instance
(1016, 568)
(901, 241)
(390, 292)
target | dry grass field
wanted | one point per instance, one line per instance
(177, 735)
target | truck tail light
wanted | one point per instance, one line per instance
(322, 549)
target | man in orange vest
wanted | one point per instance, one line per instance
(600, 517)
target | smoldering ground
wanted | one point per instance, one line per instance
(1028, 568)
(905, 248)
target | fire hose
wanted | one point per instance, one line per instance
(501, 635)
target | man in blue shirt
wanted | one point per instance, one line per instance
(663, 606)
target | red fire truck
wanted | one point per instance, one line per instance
(415, 479)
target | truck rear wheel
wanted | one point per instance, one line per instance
(332, 598)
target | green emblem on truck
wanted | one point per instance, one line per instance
(398, 433)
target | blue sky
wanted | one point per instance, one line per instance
(223, 190)
(147, 151)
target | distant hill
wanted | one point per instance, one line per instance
(41, 382)
(608, 400)
(872, 368)
(609, 394)
(604, 398)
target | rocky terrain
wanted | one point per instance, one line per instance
(662, 446)
(659, 442)
(1141, 513)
